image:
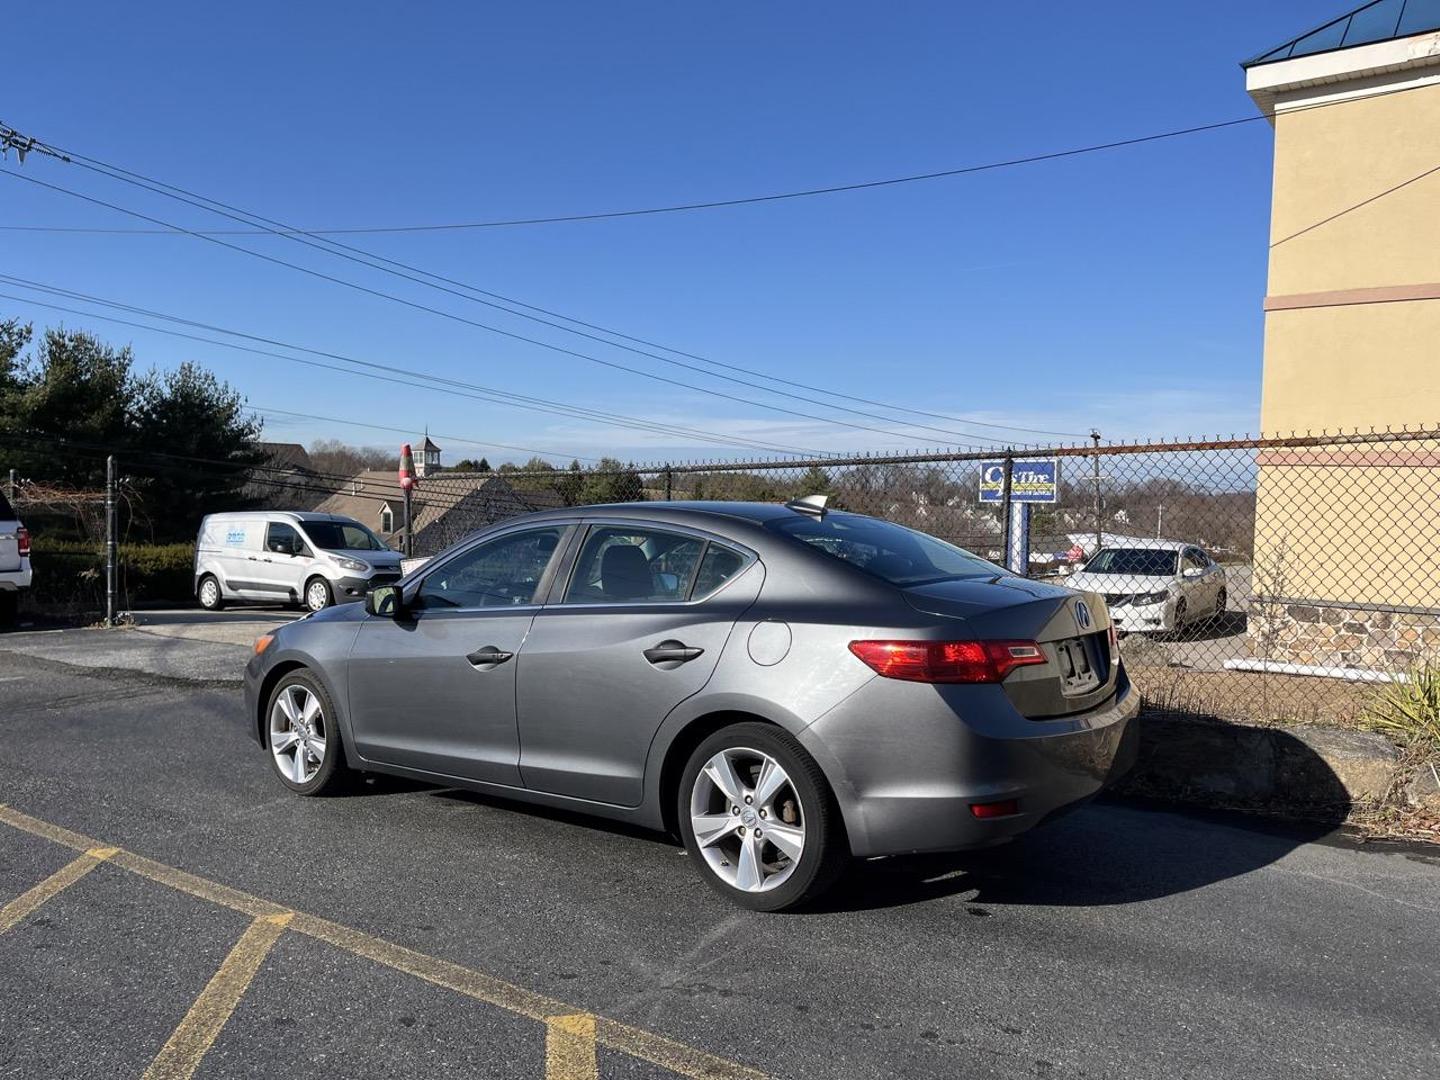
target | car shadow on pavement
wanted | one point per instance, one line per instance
(1106, 853)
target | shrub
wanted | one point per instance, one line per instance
(71, 573)
(1408, 710)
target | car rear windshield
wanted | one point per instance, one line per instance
(891, 552)
(342, 536)
(1141, 562)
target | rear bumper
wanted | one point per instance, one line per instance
(908, 760)
(14, 580)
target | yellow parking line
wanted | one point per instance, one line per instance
(668, 1054)
(180, 1056)
(52, 886)
(570, 1047)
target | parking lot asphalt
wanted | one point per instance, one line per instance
(203, 918)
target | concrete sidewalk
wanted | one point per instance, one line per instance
(187, 645)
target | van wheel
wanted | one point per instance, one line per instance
(317, 594)
(209, 594)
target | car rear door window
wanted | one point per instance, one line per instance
(498, 573)
(718, 566)
(624, 564)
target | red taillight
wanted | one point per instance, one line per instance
(22, 538)
(947, 661)
(1005, 808)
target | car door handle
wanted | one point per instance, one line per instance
(672, 652)
(489, 655)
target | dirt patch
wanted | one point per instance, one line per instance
(1251, 697)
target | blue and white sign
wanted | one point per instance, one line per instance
(1035, 480)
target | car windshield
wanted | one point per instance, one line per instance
(342, 536)
(1138, 562)
(891, 552)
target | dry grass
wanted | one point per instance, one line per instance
(1253, 697)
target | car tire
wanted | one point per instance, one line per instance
(317, 594)
(1222, 598)
(1177, 622)
(210, 595)
(298, 714)
(741, 862)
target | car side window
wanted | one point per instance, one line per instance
(718, 566)
(283, 539)
(634, 564)
(1196, 559)
(499, 573)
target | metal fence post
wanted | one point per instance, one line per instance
(669, 481)
(111, 548)
(1098, 509)
(1005, 508)
(10, 492)
(405, 503)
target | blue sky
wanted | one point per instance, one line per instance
(1120, 290)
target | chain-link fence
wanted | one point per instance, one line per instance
(1255, 578)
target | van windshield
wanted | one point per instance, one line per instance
(891, 552)
(342, 536)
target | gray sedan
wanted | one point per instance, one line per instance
(783, 687)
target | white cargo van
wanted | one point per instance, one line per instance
(289, 557)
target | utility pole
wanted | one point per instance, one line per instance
(1099, 508)
(669, 482)
(10, 488)
(111, 550)
(1159, 521)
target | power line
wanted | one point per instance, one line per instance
(440, 282)
(450, 386)
(748, 200)
(1358, 206)
(449, 314)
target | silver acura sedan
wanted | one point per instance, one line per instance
(783, 687)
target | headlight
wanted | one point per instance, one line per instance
(353, 564)
(1146, 599)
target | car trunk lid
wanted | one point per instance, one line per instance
(1072, 629)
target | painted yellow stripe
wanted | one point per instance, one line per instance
(668, 1054)
(570, 1047)
(52, 886)
(180, 1056)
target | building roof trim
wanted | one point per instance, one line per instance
(1376, 21)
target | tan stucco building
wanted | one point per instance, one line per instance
(1347, 560)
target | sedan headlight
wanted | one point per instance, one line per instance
(353, 564)
(1146, 599)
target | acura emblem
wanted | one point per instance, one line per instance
(1082, 615)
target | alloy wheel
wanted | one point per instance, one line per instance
(209, 593)
(297, 733)
(748, 820)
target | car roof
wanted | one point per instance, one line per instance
(1157, 545)
(754, 512)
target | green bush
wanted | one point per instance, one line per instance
(1408, 710)
(72, 573)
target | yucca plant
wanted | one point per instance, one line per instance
(1408, 709)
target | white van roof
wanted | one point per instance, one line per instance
(289, 515)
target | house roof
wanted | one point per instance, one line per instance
(429, 445)
(442, 510)
(286, 455)
(1379, 20)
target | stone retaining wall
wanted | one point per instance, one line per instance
(1301, 633)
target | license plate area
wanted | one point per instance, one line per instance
(1078, 674)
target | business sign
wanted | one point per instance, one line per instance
(1036, 480)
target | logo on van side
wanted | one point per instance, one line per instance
(235, 538)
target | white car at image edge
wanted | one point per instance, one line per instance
(1156, 586)
(14, 561)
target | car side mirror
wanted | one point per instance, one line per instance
(1193, 572)
(387, 601)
